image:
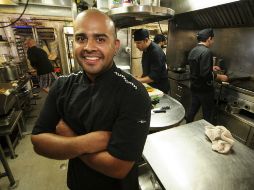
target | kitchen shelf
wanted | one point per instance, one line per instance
(46, 33)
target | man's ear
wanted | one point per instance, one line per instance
(117, 46)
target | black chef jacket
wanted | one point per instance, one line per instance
(201, 69)
(154, 66)
(39, 60)
(114, 102)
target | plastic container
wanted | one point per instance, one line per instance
(103, 4)
(150, 2)
(114, 4)
(127, 2)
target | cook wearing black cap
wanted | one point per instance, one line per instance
(202, 76)
(161, 40)
(153, 62)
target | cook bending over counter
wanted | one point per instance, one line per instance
(153, 62)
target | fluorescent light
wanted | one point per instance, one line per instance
(7, 2)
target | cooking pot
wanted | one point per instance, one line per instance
(11, 72)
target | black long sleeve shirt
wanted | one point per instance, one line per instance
(201, 68)
(154, 66)
(39, 60)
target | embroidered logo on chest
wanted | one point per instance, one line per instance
(126, 80)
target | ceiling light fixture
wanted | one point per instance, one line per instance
(7, 2)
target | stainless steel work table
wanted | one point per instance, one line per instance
(182, 159)
(172, 117)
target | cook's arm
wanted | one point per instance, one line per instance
(59, 147)
(107, 164)
(145, 79)
(102, 162)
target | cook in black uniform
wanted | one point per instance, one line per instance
(161, 40)
(202, 76)
(39, 61)
(153, 62)
(97, 118)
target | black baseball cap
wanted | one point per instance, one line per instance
(205, 34)
(159, 38)
(141, 34)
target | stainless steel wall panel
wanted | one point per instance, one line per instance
(234, 45)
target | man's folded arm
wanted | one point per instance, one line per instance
(61, 147)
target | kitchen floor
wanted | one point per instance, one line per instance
(32, 171)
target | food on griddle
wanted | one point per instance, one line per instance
(149, 89)
(2, 90)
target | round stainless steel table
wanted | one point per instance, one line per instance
(170, 117)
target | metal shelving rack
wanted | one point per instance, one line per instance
(21, 33)
(38, 33)
(45, 33)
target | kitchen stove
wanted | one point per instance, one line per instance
(236, 111)
(247, 85)
(239, 94)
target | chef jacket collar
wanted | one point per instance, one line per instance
(105, 75)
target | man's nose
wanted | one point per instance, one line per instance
(90, 45)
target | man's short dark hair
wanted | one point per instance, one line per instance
(159, 38)
(204, 34)
(141, 34)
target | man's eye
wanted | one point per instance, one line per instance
(80, 39)
(100, 39)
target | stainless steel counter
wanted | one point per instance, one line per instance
(182, 159)
(172, 117)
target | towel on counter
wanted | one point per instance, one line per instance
(221, 138)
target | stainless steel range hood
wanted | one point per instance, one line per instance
(235, 14)
(136, 15)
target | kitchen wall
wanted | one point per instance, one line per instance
(234, 45)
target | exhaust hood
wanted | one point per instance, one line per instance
(128, 16)
(234, 14)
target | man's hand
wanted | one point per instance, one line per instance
(223, 78)
(64, 130)
(145, 79)
(216, 68)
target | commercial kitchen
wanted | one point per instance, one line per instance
(177, 155)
